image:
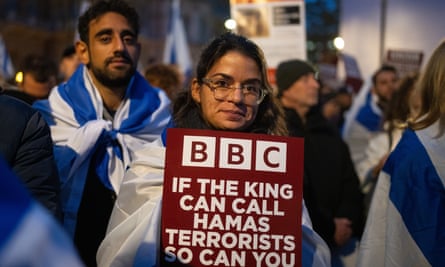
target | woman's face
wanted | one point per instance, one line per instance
(235, 112)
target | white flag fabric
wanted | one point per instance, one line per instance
(406, 221)
(29, 235)
(362, 122)
(176, 49)
(6, 67)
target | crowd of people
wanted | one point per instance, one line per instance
(86, 140)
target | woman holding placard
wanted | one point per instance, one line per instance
(230, 92)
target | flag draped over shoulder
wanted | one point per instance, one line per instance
(176, 49)
(315, 252)
(362, 122)
(29, 235)
(6, 68)
(75, 113)
(406, 222)
(134, 230)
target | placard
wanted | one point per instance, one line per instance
(231, 199)
(405, 61)
(277, 26)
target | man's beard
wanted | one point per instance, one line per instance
(110, 80)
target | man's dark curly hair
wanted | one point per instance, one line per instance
(100, 8)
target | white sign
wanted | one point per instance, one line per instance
(278, 27)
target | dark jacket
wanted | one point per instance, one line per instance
(26, 145)
(331, 186)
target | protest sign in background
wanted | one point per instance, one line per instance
(277, 26)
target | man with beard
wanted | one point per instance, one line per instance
(364, 119)
(98, 118)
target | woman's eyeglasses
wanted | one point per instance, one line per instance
(222, 88)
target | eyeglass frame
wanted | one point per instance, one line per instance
(209, 83)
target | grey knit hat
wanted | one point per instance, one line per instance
(290, 71)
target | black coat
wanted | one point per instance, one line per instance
(331, 185)
(26, 145)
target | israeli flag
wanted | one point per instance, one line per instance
(29, 235)
(6, 67)
(406, 221)
(84, 5)
(176, 48)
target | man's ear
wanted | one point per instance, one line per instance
(196, 89)
(82, 52)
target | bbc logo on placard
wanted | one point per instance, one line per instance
(234, 153)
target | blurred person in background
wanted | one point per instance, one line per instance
(334, 104)
(35, 79)
(331, 186)
(38, 76)
(405, 224)
(400, 109)
(165, 76)
(68, 63)
(364, 118)
(331, 108)
(26, 146)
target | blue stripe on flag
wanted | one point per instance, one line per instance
(14, 202)
(367, 117)
(418, 194)
(76, 95)
(29, 235)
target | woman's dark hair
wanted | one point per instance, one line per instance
(100, 8)
(269, 118)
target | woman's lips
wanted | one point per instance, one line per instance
(233, 114)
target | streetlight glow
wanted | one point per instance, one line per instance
(339, 43)
(230, 24)
(19, 77)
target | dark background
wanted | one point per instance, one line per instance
(48, 26)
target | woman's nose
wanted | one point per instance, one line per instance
(236, 95)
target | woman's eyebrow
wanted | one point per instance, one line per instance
(228, 77)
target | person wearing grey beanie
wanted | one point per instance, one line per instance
(297, 86)
(330, 184)
(290, 71)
